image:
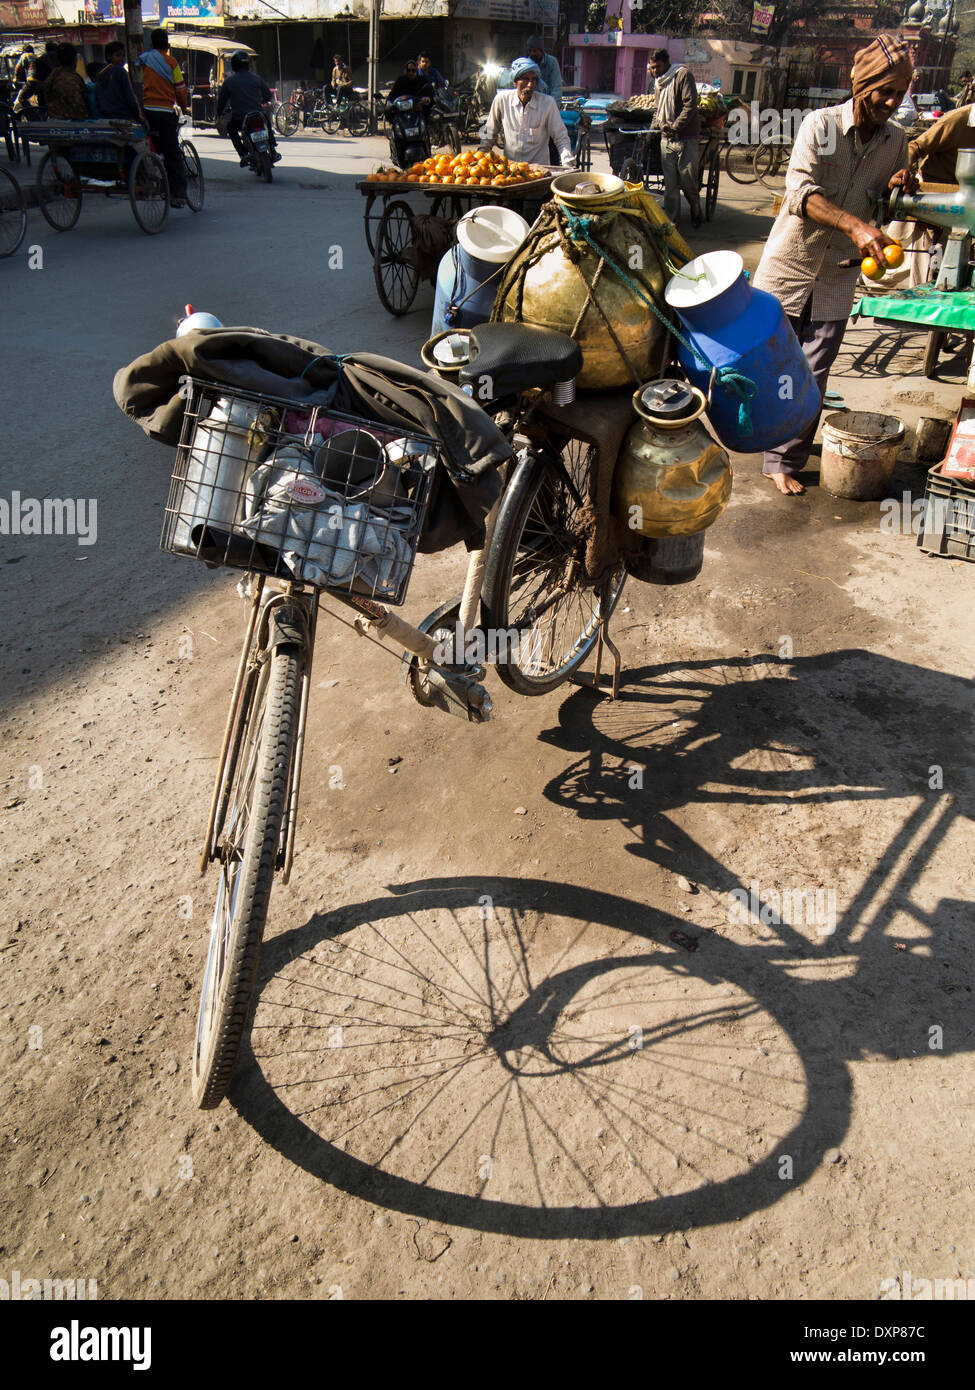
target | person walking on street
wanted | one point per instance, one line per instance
(113, 90)
(64, 91)
(523, 121)
(163, 88)
(842, 156)
(243, 92)
(675, 116)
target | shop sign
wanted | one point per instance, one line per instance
(762, 16)
(210, 11)
(22, 14)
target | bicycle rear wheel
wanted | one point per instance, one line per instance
(264, 739)
(535, 577)
(771, 162)
(739, 163)
(13, 214)
(286, 120)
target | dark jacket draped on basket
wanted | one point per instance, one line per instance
(378, 388)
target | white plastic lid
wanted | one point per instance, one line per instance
(491, 233)
(703, 278)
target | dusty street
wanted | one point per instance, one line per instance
(528, 1022)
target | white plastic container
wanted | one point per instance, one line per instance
(222, 457)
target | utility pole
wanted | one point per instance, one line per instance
(134, 43)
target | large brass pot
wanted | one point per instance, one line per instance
(554, 291)
(671, 478)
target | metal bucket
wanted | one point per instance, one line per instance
(860, 449)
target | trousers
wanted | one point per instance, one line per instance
(164, 129)
(821, 341)
(679, 159)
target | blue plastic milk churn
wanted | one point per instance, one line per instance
(766, 381)
(487, 238)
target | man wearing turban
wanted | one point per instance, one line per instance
(844, 159)
(523, 121)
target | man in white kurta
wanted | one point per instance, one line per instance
(523, 121)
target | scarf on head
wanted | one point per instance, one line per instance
(881, 62)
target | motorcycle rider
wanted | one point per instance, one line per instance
(411, 83)
(244, 91)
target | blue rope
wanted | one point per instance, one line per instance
(735, 382)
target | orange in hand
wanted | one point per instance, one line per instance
(893, 254)
(872, 268)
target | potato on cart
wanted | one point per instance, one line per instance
(452, 184)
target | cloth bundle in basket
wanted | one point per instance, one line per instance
(327, 537)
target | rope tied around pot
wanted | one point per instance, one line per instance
(733, 381)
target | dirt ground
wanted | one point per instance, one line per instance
(519, 1033)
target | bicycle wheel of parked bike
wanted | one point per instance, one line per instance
(357, 119)
(255, 795)
(535, 577)
(739, 163)
(770, 164)
(286, 120)
(13, 214)
(331, 121)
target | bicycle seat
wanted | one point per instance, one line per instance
(517, 355)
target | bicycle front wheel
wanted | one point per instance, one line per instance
(739, 163)
(535, 578)
(771, 163)
(264, 741)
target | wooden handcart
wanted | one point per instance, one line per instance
(111, 157)
(389, 222)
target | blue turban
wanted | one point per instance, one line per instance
(522, 67)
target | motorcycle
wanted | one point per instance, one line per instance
(257, 145)
(409, 135)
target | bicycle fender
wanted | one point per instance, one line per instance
(286, 627)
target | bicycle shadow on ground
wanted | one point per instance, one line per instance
(535, 1058)
(871, 752)
(532, 1058)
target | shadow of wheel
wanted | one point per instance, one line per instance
(397, 278)
(531, 1057)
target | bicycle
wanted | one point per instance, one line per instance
(528, 580)
(295, 111)
(349, 114)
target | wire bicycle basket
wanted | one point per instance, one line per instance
(309, 494)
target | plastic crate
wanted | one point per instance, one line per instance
(948, 519)
(308, 494)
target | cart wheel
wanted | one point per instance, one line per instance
(584, 152)
(13, 214)
(397, 277)
(58, 192)
(371, 220)
(711, 195)
(149, 192)
(194, 176)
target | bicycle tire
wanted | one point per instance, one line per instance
(357, 120)
(58, 192)
(13, 214)
(739, 164)
(331, 121)
(286, 121)
(261, 782)
(149, 192)
(770, 164)
(529, 570)
(195, 182)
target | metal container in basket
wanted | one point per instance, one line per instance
(305, 493)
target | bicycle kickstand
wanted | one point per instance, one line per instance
(603, 637)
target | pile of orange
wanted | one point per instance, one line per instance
(473, 168)
(381, 175)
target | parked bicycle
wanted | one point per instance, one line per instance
(294, 113)
(771, 161)
(527, 581)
